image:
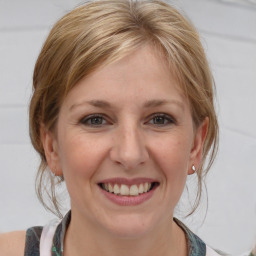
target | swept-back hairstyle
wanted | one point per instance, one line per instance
(101, 32)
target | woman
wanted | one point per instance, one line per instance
(122, 111)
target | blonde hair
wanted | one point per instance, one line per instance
(101, 32)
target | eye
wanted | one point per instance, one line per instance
(94, 120)
(161, 120)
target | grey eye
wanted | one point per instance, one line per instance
(96, 120)
(93, 120)
(161, 119)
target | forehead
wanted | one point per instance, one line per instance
(143, 75)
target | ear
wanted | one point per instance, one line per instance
(197, 147)
(50, 146)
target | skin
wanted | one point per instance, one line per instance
(12, 243)
(144, 130)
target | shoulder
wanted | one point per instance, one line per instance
(13, 243)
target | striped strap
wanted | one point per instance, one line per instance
(47, 238)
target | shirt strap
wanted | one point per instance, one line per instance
(47, 238)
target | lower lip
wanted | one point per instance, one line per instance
(129, 200)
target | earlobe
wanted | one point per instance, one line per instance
(50, 146)
(198, 145)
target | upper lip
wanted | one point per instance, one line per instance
(134, 181)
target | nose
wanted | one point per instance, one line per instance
(129, 149)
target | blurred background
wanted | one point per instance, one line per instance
(228, 33)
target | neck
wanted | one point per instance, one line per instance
(166, 240)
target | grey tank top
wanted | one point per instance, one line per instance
(48, 240)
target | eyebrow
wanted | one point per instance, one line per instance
(147, 104)
(95, 103)
(157, 103)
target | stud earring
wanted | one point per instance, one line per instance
(193, 168)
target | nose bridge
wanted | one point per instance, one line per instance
(129, 148)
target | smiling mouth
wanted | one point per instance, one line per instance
(128, 190)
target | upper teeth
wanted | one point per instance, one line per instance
(126, 190)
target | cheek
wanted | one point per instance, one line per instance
(80, 160)
(172, 157)
(80, 156)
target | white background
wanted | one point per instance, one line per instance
(228, 33)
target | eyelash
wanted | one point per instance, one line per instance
(165, 117)
(86, 119)
(169, 119)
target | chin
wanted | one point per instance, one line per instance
(131, 226)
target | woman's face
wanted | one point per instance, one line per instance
(125, 143)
